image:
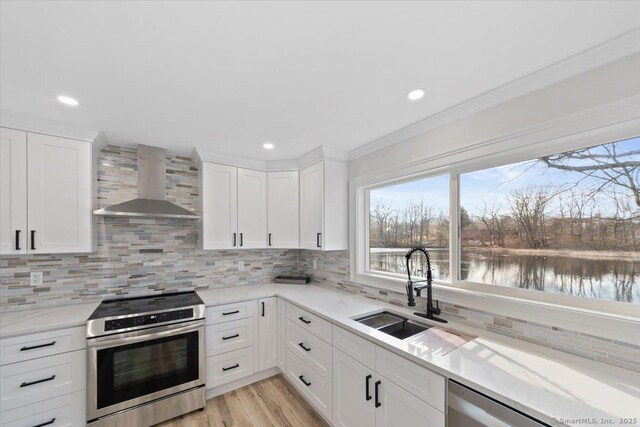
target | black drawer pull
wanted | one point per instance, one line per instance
(26, 384)
(17, 240)
(234, 239)
(367, 394)
(231, 336)
(269, 239)
(318, 244)
(231, 312)
(51, 421)
(303, 320)
(262, 308)
(33, 347)
(231, 367)
(241, 240)
(303, 347)
(33, 240)
(302, 379)
(378, 404)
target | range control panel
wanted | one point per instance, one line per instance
(147, 319)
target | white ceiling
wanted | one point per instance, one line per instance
(227, 76)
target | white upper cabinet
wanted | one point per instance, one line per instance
(283, 202)
(13, 192)
(46, 194)
(59, 194)
(218, 206)
(233, 205)
(252, 209)
(323, 206)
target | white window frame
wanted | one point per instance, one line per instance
(617, 320)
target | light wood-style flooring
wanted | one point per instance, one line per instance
(270, 402)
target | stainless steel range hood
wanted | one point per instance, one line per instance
(152, 187)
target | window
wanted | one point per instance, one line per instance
(401, 216)
(565, 223)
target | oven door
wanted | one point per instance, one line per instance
(129, 369)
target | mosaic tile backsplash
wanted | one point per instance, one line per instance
(333, 272)
(137, 256)
(142, 256)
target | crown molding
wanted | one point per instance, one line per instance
(609, 51)
(314, 156)
(19, 121)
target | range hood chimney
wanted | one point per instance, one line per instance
(152, 187)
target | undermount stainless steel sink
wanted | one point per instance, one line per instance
(392, 324)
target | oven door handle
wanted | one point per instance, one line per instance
(143, 335)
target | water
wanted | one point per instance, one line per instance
(608, 279)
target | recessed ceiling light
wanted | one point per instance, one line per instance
(415, 94)
(267, 146)
(67, 100)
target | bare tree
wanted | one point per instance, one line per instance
(528, 209)
(613, 167)
(380, 213)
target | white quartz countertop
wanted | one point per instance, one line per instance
(24, 322)
(552, 386)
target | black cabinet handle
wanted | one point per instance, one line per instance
(231, 367)
(33, 240)
(318, 240)
(367, 394)
(234, 239)
(33, 347)
(269, 239)
(378, 404)
(231, 312)
(302, 379)
(51, 421)
(303, 320)
(303, 347)
(241, 243)
(231, 336)
(26, 384)
(262, 308)
(17, 240)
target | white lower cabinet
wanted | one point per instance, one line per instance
(398, 407)
(267, 333)
(362, 397)
(64, 411)
(24, 383)
(231, 366)
(384, 391)
(229, 336)
(313, 387)
(352, 392)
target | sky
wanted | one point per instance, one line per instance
(495, 184)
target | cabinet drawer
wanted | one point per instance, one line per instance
(315, 352)
(362, 350)
(227, 312)
(35, 380)
(320, 327)
(63, 411)
(227, 367)
(310, 383)
(419, 381)
(228, 336)
(27, 347)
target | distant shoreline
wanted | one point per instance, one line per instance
(569, 253)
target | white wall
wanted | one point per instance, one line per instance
(594, 89)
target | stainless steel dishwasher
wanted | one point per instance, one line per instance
(468, 408)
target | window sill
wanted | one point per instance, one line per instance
(610, 324)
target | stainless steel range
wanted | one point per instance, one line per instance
(145, 360)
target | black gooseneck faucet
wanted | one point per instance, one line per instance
(431, 310)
